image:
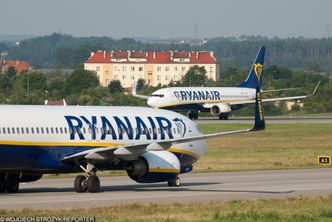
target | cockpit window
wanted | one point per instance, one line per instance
(158, 95)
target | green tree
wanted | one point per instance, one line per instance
(115, 87)
(196, 76)
(79, 80)
(11, 72)
(140, 84)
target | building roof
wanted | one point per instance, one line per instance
(19, 65)
(56, 102)
(152, 57)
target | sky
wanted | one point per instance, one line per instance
(167, 18)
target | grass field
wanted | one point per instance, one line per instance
(291, 209)
(280, 146)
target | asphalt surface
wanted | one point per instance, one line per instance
(205, 187)
(215, 120)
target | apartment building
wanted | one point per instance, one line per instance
(154, 67)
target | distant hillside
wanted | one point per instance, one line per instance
(67, 51)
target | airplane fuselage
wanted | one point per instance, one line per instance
(195, 98)
(38, 138)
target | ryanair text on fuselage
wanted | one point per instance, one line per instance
(197, 95)
(116, 128)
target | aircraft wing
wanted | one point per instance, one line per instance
(280, 90)
(278, 99)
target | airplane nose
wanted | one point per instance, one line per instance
(150, 102)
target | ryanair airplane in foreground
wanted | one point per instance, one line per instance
(151, 145)
(220, 101)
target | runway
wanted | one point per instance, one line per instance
(215, 120)
(203, 187)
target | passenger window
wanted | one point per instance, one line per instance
(4, 130)
(84, 131)
(65, 130)
(61, 130)
(159, 130)
(56, 130)
(22, 130)
(47, 130)
(174, 130)
(37, 130)
(27, 129)
(32, 130)
(13, 130)
(42, 130)
(8, 130)
(51, 130)
(70, 130)
(18, 130)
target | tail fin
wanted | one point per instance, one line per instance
(254, 78)
(259, 112)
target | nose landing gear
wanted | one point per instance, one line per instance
(89, 182)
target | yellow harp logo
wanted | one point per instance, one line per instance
(258, 68)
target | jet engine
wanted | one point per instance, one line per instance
(154, 166)
(219, 108)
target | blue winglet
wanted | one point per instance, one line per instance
(259, 112)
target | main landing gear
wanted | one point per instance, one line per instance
(193, 114)
(174, 183)
(89, 182)
(9, 182)
(223, 116)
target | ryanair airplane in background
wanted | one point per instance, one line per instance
(151, 145)
(219, 101)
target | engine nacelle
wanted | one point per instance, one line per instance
(219, 108)
(30, 177)
(154, 166)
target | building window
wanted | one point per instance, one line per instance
(175, 68)
(140, 69)
(115, 68)
(132, 68)
(97, 68)
(166, 69)
(183, 69)
(158, 77)
(149, 73)
(107, 72)
(115, 77)
(158, 69)
(132, 77)
(166, 77)
(124, 68)
(123, 77)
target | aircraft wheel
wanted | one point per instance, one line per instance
(80, 184)
(190, 115)
(195, 115)
(12, 183)
(93, 184)
(223, 117)
(174, 183)
(2, 183)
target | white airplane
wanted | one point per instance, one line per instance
(219, 101)
(152, 145)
